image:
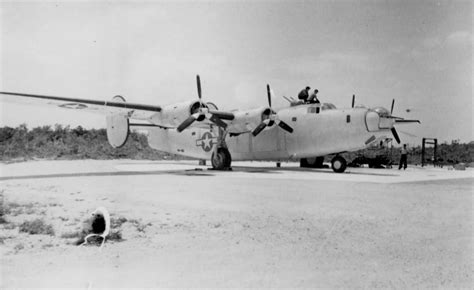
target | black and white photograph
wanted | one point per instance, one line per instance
(236, 144)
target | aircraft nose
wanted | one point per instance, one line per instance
(372, 120)
(378, 118)
(386, 122)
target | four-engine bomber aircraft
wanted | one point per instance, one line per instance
(199, 130)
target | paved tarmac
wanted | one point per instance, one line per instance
(254, 226)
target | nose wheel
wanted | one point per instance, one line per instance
(338, 164)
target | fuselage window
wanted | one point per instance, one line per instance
(313, 110)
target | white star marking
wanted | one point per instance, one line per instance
(206, 141)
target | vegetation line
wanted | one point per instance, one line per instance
(61, 142)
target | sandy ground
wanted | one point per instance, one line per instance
(255, 226)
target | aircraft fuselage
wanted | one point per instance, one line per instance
(316, 133)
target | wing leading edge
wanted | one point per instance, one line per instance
(132, 110)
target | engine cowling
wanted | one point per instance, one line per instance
(246, 121)
(174, 115)
(117, 127)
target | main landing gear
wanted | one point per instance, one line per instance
(338, 164)
(315, 162)
(221, 158)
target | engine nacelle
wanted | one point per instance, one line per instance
(117, 127)
(246, 121)
(174, 115)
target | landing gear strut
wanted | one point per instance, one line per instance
(221, 158)
(338, 164)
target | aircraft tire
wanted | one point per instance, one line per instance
(338, 164)
(221, 159)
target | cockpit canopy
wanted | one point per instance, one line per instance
(382, 111)
(328, 106)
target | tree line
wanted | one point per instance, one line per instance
(64, 142)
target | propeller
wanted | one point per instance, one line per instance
(260, 127)
(272, 118)
(198, 81)
(203, 112)
(186, 123)
(395, 135)
(399, 120)
(407, 121)
(353, 100)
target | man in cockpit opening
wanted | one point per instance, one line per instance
(304, 95)
(313, 99)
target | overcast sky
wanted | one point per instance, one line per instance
(418, 52)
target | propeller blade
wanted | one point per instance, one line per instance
(198, 81)
(353, 100)
(186, 123)
(395, 135)
(259, 129)
(285, 126)
(216, 120)
(391, 110)
(407, 121)
(223, 115)
(269, 94)
(393, 117)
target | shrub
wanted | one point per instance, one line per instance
(4, 210)
(37, 227)
(66, 143)
(72, 235)
(19, 247)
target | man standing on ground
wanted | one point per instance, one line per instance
(403, 158)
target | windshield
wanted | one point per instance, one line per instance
(328, 106)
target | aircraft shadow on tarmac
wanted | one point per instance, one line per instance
(111, 173)
(187, 172)
(299, 169)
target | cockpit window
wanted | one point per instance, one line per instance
(314, 109)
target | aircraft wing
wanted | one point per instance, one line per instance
(116, 106)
